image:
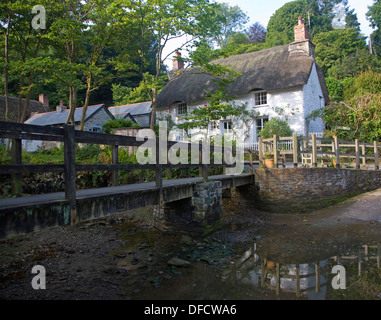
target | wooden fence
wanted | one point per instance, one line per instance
(69, 137)
(311, 149)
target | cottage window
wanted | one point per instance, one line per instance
(96, 129)
(260, 124)
(227, 125)
(214, 125)
(182, 109)
(261, 98)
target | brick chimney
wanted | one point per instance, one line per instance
(301, 31)
(43, 98)
(302, 44)
(177, 62)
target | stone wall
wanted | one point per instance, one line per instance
(207, 201)
(306, 189)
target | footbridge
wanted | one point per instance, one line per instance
(307, 173)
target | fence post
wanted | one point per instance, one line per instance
(260, 152)
(204, 166)
(357, 146)
(251, 162)
(275, 150)
(16, 153)
(363, 150)
(376, 158)
(295, 149)
(337, 152)
(70, 172)
(115, 160)
(314, 151)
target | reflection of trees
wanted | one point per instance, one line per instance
(311, 280)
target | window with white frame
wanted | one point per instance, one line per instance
(260, 98)
(182, 109)
(260, 124)
(214, 125)
(227, 126)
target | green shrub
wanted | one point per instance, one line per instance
(275, 126)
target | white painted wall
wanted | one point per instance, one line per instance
(313, 100)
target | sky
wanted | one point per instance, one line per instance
(261, 11)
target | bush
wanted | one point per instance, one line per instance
(275, 126)
(116, 123)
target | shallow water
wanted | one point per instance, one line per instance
(284, 263)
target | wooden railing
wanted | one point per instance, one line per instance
(314, 148)
(69, 137)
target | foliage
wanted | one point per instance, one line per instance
(229, 20)
(362, 115)
(354, 64)
(335, 89)
(336, 45)
(275, 126)
(116, 123)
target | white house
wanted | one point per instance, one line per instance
(284, 81)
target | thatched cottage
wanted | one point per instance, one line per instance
(284, 81)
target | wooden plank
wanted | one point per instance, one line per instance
(16, 178)
(314, 151)
(337, 152)
(69, 171)
(30, 136)
(295, 150)
(376, 156)
(29, 128)
(7, 169)
(275, 150)
(115, 161)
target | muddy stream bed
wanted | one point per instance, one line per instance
(252, 255)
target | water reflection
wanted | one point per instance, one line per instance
(310, 280)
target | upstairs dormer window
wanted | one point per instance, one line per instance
(182, 109)
(261, 98)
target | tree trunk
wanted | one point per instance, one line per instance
(87, 98)
(6, 58)
(72, 105)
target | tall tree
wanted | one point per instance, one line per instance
(229, 20)
(318, 15)
(334, 46)
(257, 33)
(163, 21)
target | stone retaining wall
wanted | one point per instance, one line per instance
(305, 189)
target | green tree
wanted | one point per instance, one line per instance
(335, 89)
(165, 20)
(334, 46)
(360, 110)
(229, 21)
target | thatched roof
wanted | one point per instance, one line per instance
(268, 69)
(34, 107)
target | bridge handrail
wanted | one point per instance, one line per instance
(69, 136)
